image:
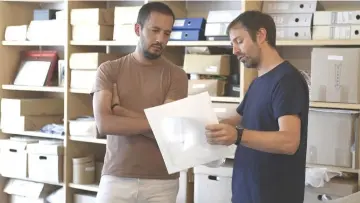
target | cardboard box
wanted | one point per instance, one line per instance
(331, 134)
(18, 124)
(90, 61)
(225, 110)
(32, 107)
(126, 15)
(207, 64)
(335, 75)
(46, 162)
(92, 32)
(82, 79)
(14, 158)
(125, 33)
(214, 87)
(332, 190)
(92, 16)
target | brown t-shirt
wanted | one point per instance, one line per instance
(139, 86)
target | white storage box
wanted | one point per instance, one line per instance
(84, 198)
(84, 127)
(213, 184)
(46, 161)
(14, 158)
(335, 189)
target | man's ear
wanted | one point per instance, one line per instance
(137, 29)
(261, 35)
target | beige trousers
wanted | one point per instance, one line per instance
(131, 190)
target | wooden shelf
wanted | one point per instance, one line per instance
(92, 187)
(88, 139)
(80, 91)
(36, 134)
(38, 181)
(33, 88)
(30, 43)
(335, 105)
(224, 43)
(333, 168)
(226, 99)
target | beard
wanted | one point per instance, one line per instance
(147, 54)
(250, 63)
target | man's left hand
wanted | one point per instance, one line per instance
(221, 134)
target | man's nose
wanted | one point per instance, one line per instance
(236, 50)
(162, 38)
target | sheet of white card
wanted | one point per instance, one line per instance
(179, 129)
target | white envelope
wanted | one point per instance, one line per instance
(179, 129)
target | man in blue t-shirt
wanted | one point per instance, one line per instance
(271, 126)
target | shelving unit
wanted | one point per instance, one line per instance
(77, 102)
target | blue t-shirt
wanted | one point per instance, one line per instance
(261, 177)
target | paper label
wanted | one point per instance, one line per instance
(335, 58)
(90, 168)
(236, 89)
(212, 69)
(198, 86)
(176, 35)
(179, 23)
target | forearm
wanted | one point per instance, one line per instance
(119, 125)
(278, 142)
(121, 111)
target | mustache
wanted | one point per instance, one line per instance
(158, 44)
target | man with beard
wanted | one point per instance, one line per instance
(134, 170)
(271, 127)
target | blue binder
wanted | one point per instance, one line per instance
(187, 35)
(189, 24)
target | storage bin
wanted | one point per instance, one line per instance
(213, 184)
(84, 170)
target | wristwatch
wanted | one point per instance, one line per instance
(240, 131)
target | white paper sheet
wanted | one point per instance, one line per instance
(179, 129)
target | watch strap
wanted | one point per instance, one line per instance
(239, 135)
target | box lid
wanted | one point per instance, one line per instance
(225, 170)
(46, 148)
(28, 189)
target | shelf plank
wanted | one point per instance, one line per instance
(226, 99)
(33, 88)
(88, 139)
(37, 181)
(224, 43)
(80, 91)
(330, 105)
(36, 134)
(334, 168)
(30, 43)
(92, 187)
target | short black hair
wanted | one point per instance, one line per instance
(252, 21)
(147, 8)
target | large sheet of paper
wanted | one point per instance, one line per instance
(179, 129)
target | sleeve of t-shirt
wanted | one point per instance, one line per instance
(178, 85)
(288, 97)
(104, 78)
(240, 108)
